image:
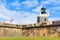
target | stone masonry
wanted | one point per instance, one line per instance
(14, 30)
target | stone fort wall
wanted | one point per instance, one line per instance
(36, 30)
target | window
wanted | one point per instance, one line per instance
(45, 19)
(38, 19)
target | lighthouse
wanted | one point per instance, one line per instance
(43, 16)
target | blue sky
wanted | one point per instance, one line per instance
(26, 11)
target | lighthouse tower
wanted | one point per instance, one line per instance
(43, 16)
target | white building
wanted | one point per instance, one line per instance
(43, 16)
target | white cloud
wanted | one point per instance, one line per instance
(26, 17)
(45, 2)
(30, 3)
(20, 17)
(56, 8)
(4, 12)
(53, 2)
(26, 4)
(16, 4)
(38, 8)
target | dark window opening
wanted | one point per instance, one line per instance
(45, 19)
(38, 19)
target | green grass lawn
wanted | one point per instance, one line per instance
(29, 38)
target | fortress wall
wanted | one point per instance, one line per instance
(29, 30)
(10, 32)
(43, 32)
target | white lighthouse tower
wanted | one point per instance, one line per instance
(43, 16)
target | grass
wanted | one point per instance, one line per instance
(29, 38)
